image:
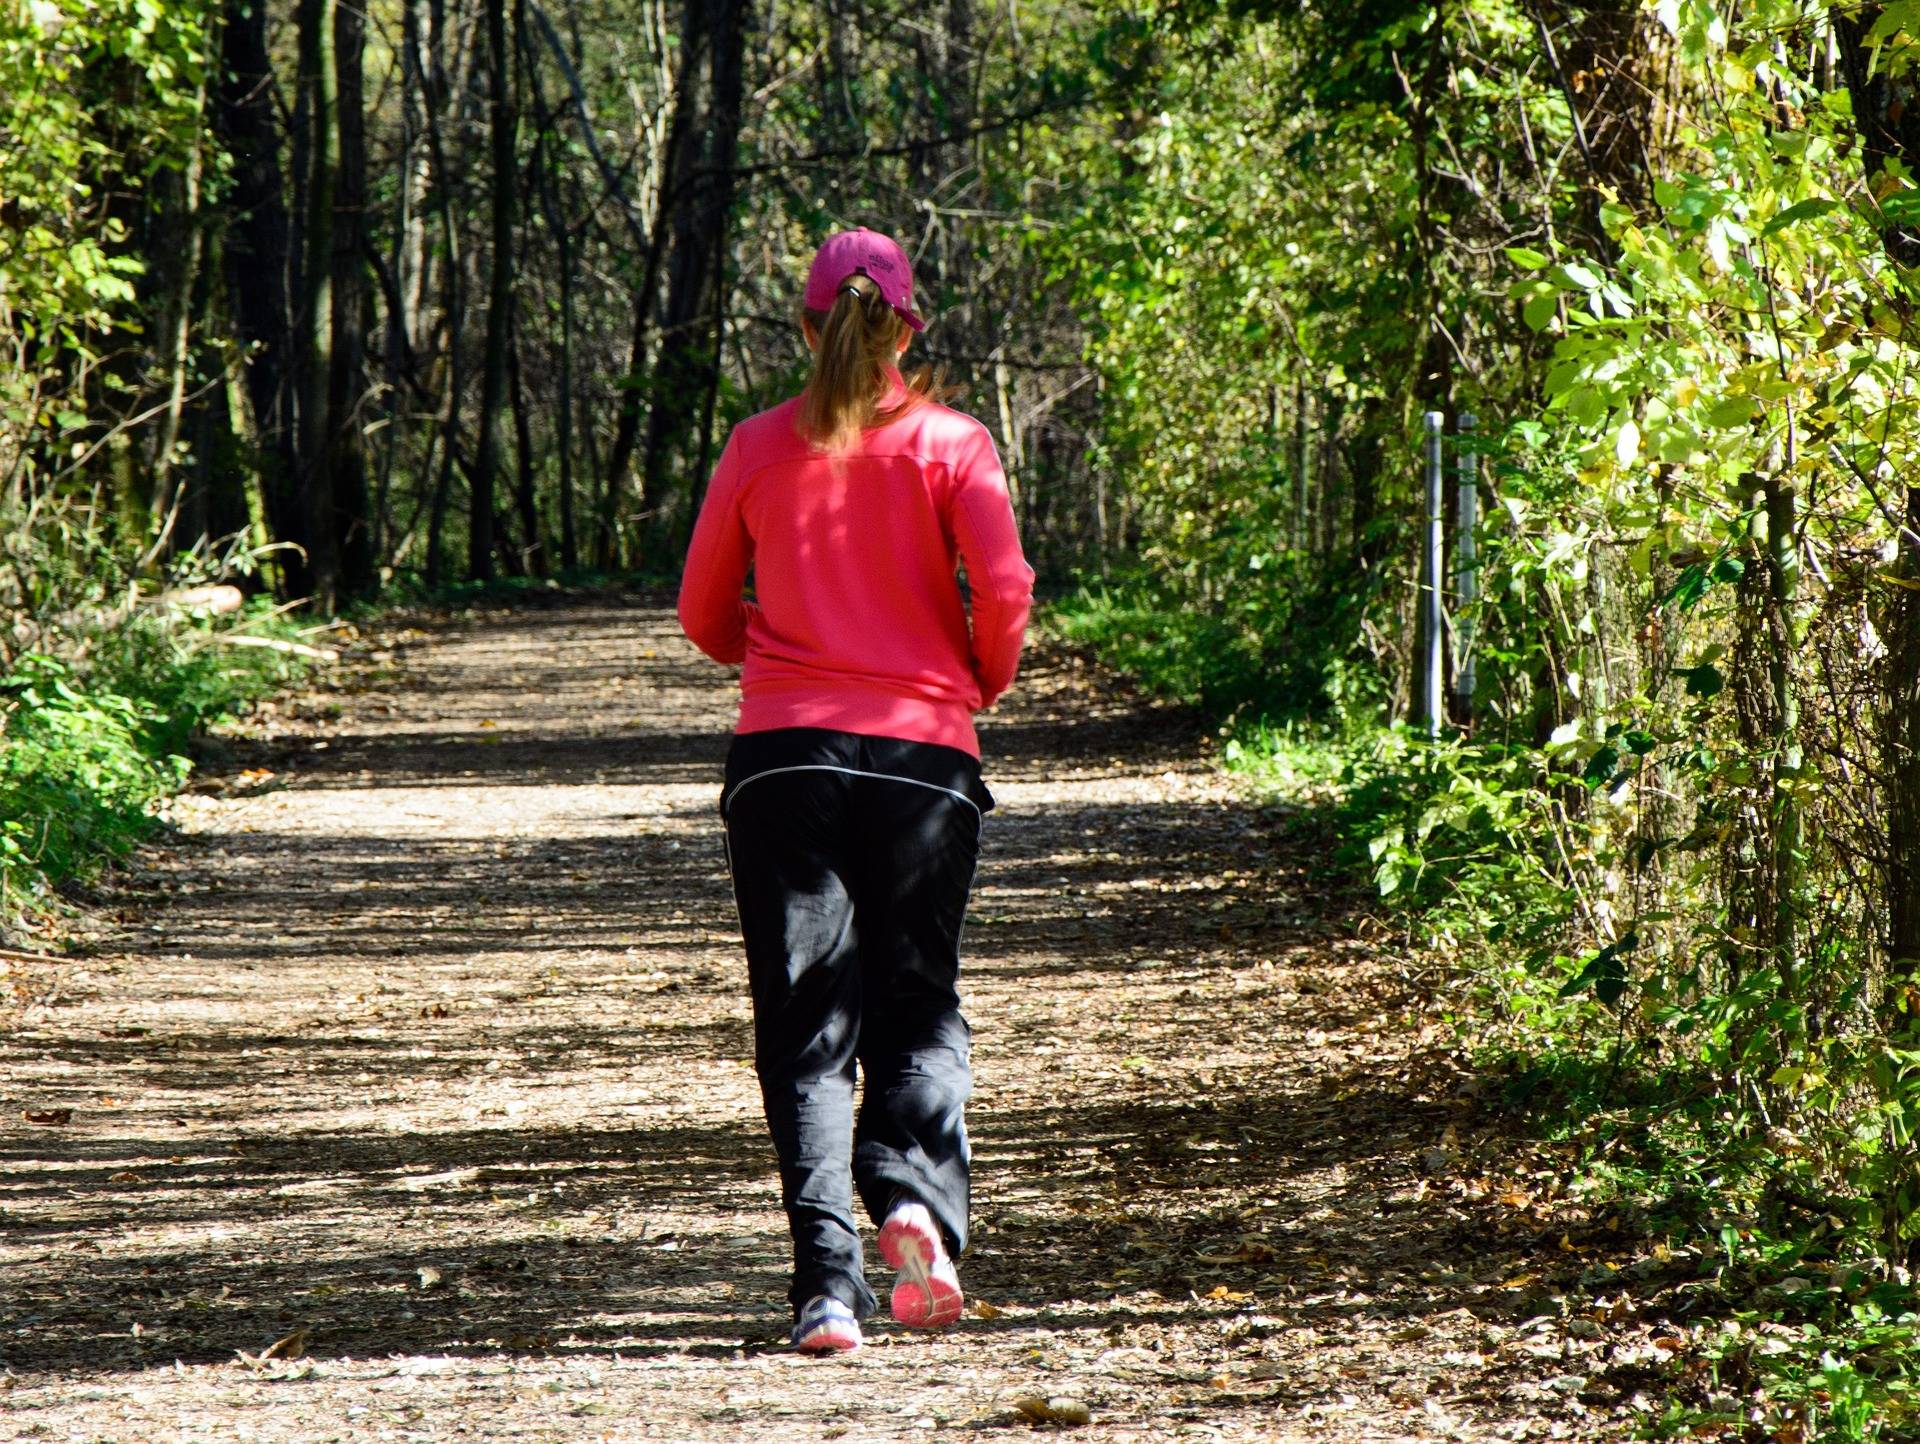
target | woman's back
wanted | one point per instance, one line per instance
(858, 622)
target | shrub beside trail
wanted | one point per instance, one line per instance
(97, 717)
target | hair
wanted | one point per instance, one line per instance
(858, 340)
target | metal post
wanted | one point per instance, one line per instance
(1434, 678)
(1300, 538)
(1466, 563)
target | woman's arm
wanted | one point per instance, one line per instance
(712, 611)
(981, 514)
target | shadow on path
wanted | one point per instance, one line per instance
(442, 1047)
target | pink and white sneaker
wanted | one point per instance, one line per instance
(926, 1295)
(826, 1326)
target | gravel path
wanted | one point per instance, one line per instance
(422, 1051)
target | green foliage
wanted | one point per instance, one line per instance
(103, 682)
(85, 755)
(1261, 651)
(99, 98)
(1656, 847)
(76, 780)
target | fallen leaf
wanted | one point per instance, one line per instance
(429, 1276)
(983, 1309)
(1054, 1411)
(1221, 1291)
(51, 1117)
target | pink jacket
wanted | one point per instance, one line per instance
(858, 622)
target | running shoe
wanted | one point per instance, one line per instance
(926, 1295)
(826, 1326)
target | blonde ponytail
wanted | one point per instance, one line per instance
(859, 339)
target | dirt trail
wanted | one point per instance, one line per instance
(434, 1044)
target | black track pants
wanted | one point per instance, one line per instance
(852, 857)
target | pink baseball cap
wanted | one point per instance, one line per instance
(871, 254)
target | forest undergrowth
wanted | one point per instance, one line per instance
(1785, 1318)
(104, 687)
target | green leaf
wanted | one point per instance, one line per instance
(1626, 442)
(1527, 257)
(1600, 766)
(1705, 680)
(1586, 406)
(1731, 411)
(1797, 212)
(1689, 588)
(1895, 18)
(1902, 207)
(1604, 973)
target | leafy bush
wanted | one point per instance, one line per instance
(85, 755)
(1274, 647)
(77, 777)
(105, 675)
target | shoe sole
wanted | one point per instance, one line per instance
(832, 1337)
(920, 1300)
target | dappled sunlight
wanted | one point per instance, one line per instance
(438, 1050)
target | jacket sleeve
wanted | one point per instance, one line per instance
(712, 612)
(980, 513)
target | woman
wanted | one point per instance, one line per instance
(853, 798)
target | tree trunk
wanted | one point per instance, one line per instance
(1366, 454)
(563, 432)
(346, 380)
(315, 319)
(178, 263)
(563, 246)
(219, 511)
(406, 267)
(684, 372)
(434, 83)
(523, 498)
(1889, 126)
(703, 463)
(1783, 576)
(493, 373)
(1603, 58)
(682, 155)
(258, 257)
